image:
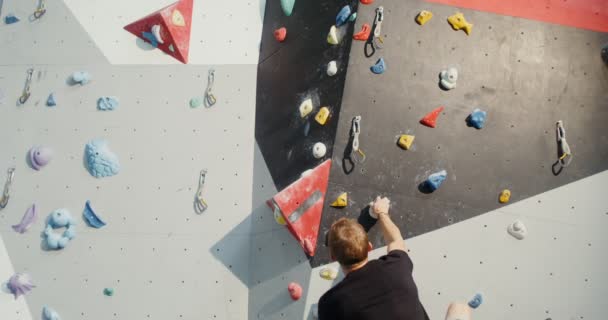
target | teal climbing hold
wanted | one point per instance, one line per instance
(352, 17)
(108, 292)
(287, 6)
(51, 102)
(196, 102)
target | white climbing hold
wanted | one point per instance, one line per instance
(448, 78)
(306, 108)
(332, 68)
(319, 150)
(328, 273)
(156, 33)
(178, 19)
(518, 230)
(306, 173)
(332, 36)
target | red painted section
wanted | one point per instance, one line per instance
(172, 35)
(306, 228)
(584, 14)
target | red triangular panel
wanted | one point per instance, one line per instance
(301, 205)
(174, 32)
(430, 120)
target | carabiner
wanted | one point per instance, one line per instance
(7, 186)
(200, 205)
(565, 155)
(26, 89)
(41, 10)
(209, 97)
(378, 22)
(356, 131)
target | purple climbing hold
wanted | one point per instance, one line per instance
(27, 220)
(40, 157)
(20, 284)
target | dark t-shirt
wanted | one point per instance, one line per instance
(382, 290)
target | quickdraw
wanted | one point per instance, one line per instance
(376, 41)
(210, 99)
(41, 10)
(565, 155)
(7, 188)
(356, 131)
(26, 89)
(200, 205)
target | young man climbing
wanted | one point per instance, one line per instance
(381, 289)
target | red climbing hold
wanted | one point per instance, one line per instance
(280, 34)
(295, 291)
(367, 1)
(175, 22)
(430, 120)
(363, 35)
(301, 205)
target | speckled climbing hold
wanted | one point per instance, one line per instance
(341, 201)
(306, 108)
(151, 38)
(332, 36)
(60, 218)
(10, 19)
(352, 17)
(430, 120)
(328, 273)
(518, 230)
(476, 301)
(81, 77)
(51, 101)
(287, 6)
(108, 292)
(458, 22)
(101, 161)
(367, 1)
(379, 67)
(196, 102)
(280, 34)
(49, 314)
(477, 119)
(20, 284)
(505, 196)
(343, 16)
(435, 180)
(363, 35)
(332, 68)
(107, 103)
(448, 78)
(319, 150)
(423, 17)
(40, 156)
(295, 291)
(91, 217)
(322, 116)
(406, 141)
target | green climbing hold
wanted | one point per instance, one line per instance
(196, 102)
(287, 6)
(353, 17)
(108, 292)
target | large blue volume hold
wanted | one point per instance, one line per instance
(101, 161)
(343, 16)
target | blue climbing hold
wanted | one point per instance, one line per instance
(10, 19)
(51, 102)
(476, 301)
(107, 103)
(101, 161)
(434, 181)
(379, 67)
(343, 16)
(49, 314)
(60, 218)
(81, 77)
(477, 119)
(92, 219)
(151, 38)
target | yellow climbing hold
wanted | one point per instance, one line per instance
(505, 196)
(341, 202)
(424, 17)
(406, 141)
(322, 116)
(178, 19)
(306, 108)
(328, 273)
(332, 36)
(459, 22)
(279, 218)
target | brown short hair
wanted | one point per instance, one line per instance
(348, 242)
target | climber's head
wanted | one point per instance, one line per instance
(348, 243)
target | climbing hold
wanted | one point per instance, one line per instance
(430, 120)
(196, 102)
(322, 116)
(49, 314)
(10, 19)
(379, 67)
(60, 218)
(178, 18)
(328, 273)
(20, 284)
(505, 196)
(476, 301)
(287, 6)
(27, 220)
(40, 157)
(406, 141)
(424, 17)
(458, 311)
(448, 78)
(101, 161)
(50, 101)
(332, 36)
(295, 291)
(477, 119)
(151, 38)
(108, 292)
(518, 230)
(367, 1)
(341, 201)
(332, 68)
(92, 219)
(605, 54)
(156, 33)
(81, 77)
(352, 17)
(107, 103)
(457, 21)
(280, 34)
(171, 48)
(319, 150)
(434, 181)
(343, 16)
(363, 35)
(306, 108)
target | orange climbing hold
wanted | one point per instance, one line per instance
(430, 120)
(280, 34)
(295, 291)
(367, 1)
(363, 35)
